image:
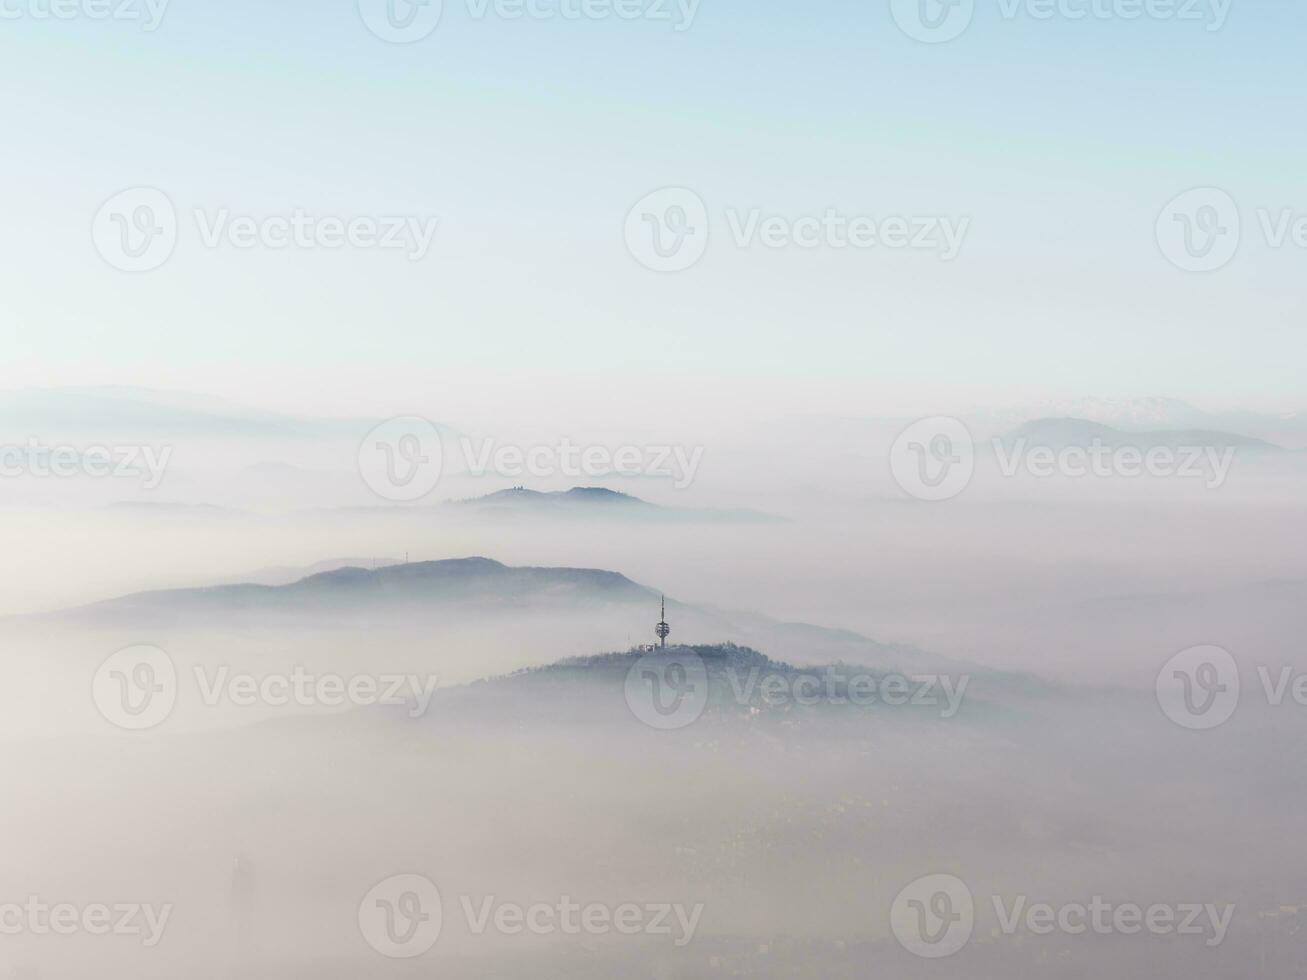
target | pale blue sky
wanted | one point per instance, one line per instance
(1060, 140)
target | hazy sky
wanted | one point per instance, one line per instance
(1060, 141)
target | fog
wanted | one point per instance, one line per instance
(774, 836)
(652, 489)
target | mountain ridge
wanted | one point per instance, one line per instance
(423, 600)
(1064, 431)
(598, 502)
(388, 583)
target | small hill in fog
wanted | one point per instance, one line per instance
(595, 503)
(706, 684)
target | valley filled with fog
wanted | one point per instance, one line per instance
(452, 688)
(652, 490)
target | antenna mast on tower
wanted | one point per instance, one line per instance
(663, 629)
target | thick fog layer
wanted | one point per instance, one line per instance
(652, 490)
(1045, 726)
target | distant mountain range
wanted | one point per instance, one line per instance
(553, 608)
(517, 504)
(1159, 414)
(597, 502)
(1060, 433)
(344, 592)
(57, 412)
